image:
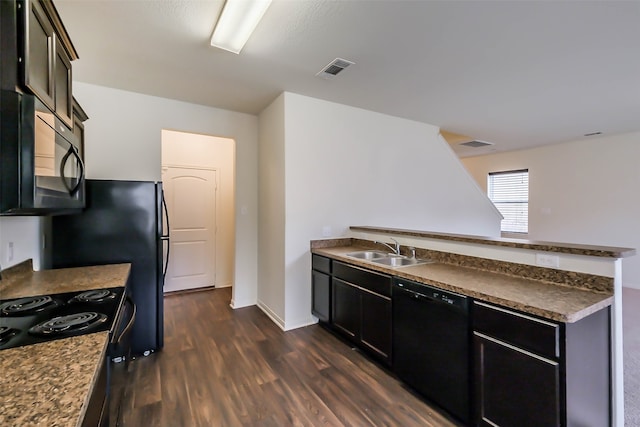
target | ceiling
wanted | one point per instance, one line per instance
(515, 73)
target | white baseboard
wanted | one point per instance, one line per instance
(287, 326)
(300, 323)
(241, 303)
(631, 285)
(272, 315)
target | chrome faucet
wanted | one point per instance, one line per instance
(395, 250)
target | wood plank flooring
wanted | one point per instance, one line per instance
(223, 367)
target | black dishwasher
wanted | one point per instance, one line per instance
(431, 344)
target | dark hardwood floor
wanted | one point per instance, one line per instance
(223, 367)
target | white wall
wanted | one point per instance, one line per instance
(25, 234)
(123, 141)
(271, 274)
(582, 191)
(210, 152)
(347, 166)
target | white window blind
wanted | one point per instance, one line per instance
(509, 191)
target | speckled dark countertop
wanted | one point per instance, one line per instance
(538, 297)
(22, 281)
(49, 384)
(567, 248)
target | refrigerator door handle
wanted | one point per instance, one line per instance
(165, 212)
(165, 237)
(166, 257)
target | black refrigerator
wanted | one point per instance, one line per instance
(124, 222)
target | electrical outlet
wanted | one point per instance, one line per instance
(9, 251)
(326, 231)
(546, 260)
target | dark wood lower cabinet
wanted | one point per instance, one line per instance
(527, 370)
(362, 310)
(535, 372)
(321, 288)
(515, 387)
(97, 414)
(375, 330)
(346, 309)
(321, 295)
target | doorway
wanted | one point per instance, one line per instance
(198, 179)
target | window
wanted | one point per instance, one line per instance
(509, 191)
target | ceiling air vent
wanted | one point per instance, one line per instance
(334, 68)
(475, 144)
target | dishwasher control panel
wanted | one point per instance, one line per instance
(420, 290)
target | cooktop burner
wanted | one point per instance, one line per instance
(37, 319)
(98, 295)
(69, 324)
(29, 305)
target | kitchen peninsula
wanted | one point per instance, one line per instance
(550, 309)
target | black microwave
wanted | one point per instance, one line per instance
(41, 160)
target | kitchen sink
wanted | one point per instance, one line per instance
(397, 261)
(388, 259)
(368, 255)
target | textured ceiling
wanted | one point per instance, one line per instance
(515, 73)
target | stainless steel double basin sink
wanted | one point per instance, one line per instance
(387, 259)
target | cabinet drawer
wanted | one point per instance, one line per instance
(374, 282)
(530, 333)
(321, 263)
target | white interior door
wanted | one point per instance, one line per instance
(191, 203)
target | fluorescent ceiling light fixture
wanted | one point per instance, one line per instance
(236, 23)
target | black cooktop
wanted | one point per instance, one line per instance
(41, 318)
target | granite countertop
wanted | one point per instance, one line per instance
(49, 384)
(21, 281)
(567, 248)
(548, 300)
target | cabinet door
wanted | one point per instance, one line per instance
(39, 48)
(62, 85)
(375, 330)
(514, 388)
(346, 308)
(321, 295)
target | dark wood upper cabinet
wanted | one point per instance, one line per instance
(38, 42)
(62, 85)
(42, 169)
(45, 57)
